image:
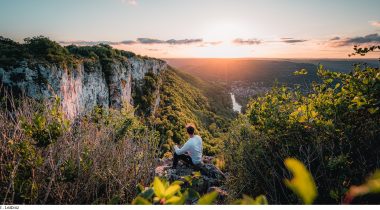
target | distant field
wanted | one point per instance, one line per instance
(261, 70)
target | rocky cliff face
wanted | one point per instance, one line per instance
(82, 88)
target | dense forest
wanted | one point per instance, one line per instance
(322, 144)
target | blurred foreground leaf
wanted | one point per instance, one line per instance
(371, 186)
(259, 200)
(302, 183)
(208, 198)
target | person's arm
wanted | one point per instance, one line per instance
(185, 148)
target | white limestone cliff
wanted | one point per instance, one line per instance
(83, 87)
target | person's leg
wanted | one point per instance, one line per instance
(175, 160)
(185, 158)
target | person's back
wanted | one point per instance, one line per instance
(195, 151)
(191, 151)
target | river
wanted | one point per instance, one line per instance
(235, 106)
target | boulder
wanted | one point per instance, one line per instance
(211, 176)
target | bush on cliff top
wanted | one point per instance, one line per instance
(42, 49)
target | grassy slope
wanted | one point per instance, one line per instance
(182, 102)
(216, 93)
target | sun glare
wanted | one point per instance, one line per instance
(224, 50)
(224, 31)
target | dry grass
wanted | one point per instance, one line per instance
(86, 164)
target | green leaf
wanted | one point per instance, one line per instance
(302, 183)
(188, 179)
(178, 182)
(329, 81)
(140, 201)
(140, 188)
(208, 198)
(193, 194)
(147, 194)
(197, 174)
(172, 190)
(159, 188)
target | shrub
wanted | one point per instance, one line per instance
(44, 49)
(333, 129)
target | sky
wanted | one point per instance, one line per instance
(200, 28)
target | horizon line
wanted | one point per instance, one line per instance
(268, 58)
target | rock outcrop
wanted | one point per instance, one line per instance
(83, 87)
(211, 177)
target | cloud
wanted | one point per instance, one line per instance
(247, 41)
(335, 38)
(368, 39)
(127, 42)
(146, 41)
(88, 43)
(292, 40)
(375, 23)
(184, 41)
(258, 41)
(149, 41)
(170, 41)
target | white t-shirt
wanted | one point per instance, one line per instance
(193, 147)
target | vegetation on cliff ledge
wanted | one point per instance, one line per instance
(41, 49)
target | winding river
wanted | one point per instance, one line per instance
(235, 106)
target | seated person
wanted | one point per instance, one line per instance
(191, 152)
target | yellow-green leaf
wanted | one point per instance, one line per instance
(140, 201)
(197, 174)
(178, 182)
(259, 200)
(172, 189)
(159, 188)
(176, 200)
(208, 198)
(173, 200)
(373, 110)
(300, 72)
(302, 183)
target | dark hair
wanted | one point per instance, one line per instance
(190, 130)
